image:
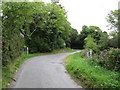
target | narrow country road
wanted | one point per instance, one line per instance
(46, 71)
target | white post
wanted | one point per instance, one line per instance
(27, 50)
(87, 54)
(91, 52)
(101, 53)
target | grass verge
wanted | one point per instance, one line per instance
(67, 50)
(90, 75)
(9, 71)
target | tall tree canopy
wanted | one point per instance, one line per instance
(74, 39)
(51, 29)
(103, 43)
(39, 26)
(113, 19)
(94, 31)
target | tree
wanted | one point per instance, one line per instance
(39, 26)
(73, 39)
(113, 19)
(15, 16)
(51, 29)
(113, 41)
(90, 43)
(89, 30)
(104, 41)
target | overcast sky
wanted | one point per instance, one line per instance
(88, 12)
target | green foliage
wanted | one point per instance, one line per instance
(104, 41)
(65, 50)
(94, 31)
(74, 39)
(113, 19)
(15, 20)
(90, 43)
(51, 29)
(12, 40)
(83, 53)
(39, 26)
(110, 60)
(113, 60)
(91, 75)
(114, 40)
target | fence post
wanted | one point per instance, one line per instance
(91, 52)
(87, 53)
(27, 50)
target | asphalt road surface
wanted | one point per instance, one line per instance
(46, 71)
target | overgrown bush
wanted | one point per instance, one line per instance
(112, 61)
(83, 53)
(109, 60)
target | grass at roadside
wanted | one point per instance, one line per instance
(9, 71)
(67, 50)
(89, 75)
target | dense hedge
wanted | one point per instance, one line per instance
(109, 59)
(11, 38)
